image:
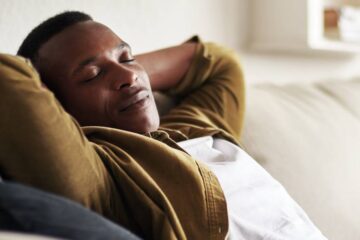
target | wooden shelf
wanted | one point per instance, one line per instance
(293, 26)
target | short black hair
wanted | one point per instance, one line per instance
(47, 29)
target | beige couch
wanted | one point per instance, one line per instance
(308, 137)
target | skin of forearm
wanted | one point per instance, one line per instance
(166, 67)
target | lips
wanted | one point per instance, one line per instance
(134, 101)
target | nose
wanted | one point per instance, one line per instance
(123, 76)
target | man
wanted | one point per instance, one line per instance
(155, 181)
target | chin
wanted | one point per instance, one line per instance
(149, 126)
(141, 121)
(150, 121)
(140, 125)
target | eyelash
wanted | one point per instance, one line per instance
(127, 61)
(96, 75)
(100, 72)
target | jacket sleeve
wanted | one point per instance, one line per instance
(41, 145)
(212, 92)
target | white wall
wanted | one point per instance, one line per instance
(150, 24)
(145, 24)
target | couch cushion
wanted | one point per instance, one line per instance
(308, 137)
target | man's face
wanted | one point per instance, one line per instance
(94, 75)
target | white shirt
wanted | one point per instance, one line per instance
(258, 205)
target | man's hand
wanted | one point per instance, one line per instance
(166, 67)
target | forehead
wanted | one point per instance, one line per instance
(77, 42)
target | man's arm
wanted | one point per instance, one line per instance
(212, 94)
(41, 145)
(166, 67)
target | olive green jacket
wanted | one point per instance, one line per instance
(146, 183)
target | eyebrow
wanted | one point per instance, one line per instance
(92, 59)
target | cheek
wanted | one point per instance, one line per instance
(85, 101)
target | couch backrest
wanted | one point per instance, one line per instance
(308, 137)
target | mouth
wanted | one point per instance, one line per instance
(136, 102)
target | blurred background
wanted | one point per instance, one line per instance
(262, 31)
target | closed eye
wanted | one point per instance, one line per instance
(125, 56)
(93, 77)
(127, 60)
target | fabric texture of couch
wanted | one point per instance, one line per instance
(308, 137)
